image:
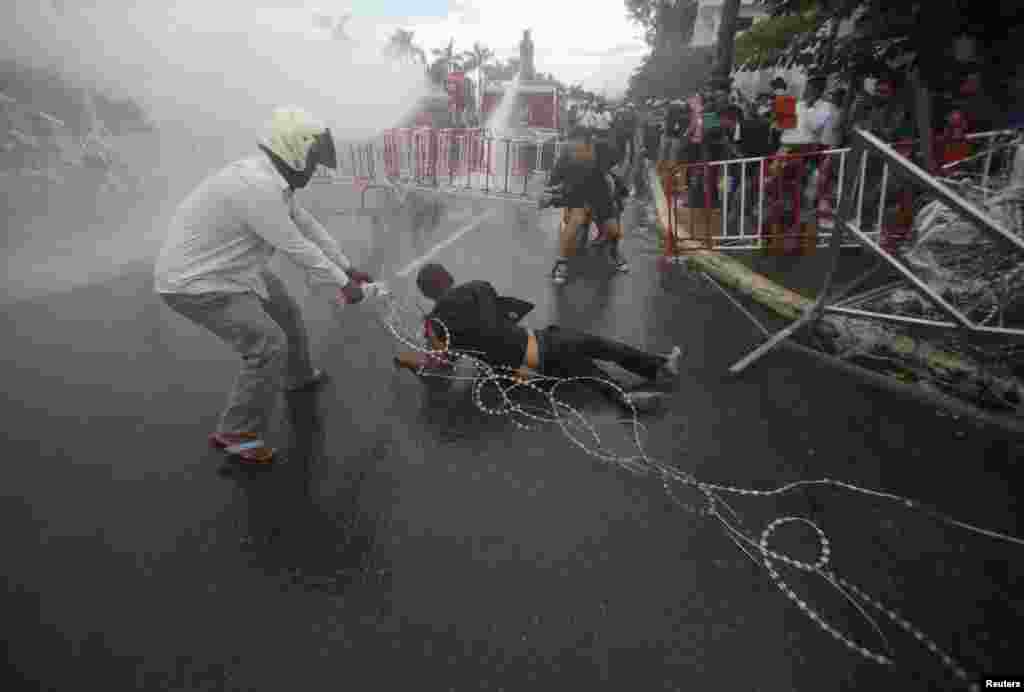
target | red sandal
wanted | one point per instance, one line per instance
(246, 448)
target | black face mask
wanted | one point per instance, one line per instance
(322, 153)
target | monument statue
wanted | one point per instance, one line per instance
(526, 70)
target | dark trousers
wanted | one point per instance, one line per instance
(571, 353)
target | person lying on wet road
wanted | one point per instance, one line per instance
(213, 270)
(472, 317)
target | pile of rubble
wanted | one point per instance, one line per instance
(977, 271)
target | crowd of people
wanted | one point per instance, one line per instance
(719, 123)
(213, 270)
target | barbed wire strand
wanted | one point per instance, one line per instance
(505, 382)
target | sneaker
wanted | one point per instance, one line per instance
(621, 265)
(245, 448)
(644, 402)
(670, 369)
(312, 383)
(254, 453)
(560, 273)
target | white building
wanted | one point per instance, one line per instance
(709, 18)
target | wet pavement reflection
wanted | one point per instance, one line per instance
(412, 541)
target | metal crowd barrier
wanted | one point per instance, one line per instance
(453, 159)
(903, 179)
(786, 204)
(468, 159)
(934, 188)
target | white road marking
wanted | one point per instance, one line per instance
(472, 225)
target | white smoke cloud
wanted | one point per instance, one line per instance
(209, 73)
(220, 62)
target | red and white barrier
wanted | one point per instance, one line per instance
(772, 203)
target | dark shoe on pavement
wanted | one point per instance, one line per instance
(313, 383)
(645, 402)
(560, 273)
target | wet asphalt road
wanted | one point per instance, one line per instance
(410, 545)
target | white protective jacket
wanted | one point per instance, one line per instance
(226, 231)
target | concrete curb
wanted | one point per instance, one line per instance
(791, 305)
(912, 391)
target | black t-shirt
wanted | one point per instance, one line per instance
(756, 137)
(652, 135)
(473, 318)
(585, 184)
(676, 121)
(625, 124)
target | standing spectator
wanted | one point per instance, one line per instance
(810, 119)
(786, 175)
(981, 111)
(641, 140)
(624, 128)
(603, 134)
(780, 90)
(830, 109)
(756, 137)
(587, 121)
(887, 114)
(675, 126)
(694, 132)
(732, 131)
(652, 135)
(1015, 99)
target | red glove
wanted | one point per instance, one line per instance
(414, 361)
(359, 277)
(351, 294)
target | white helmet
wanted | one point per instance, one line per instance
(293, 135)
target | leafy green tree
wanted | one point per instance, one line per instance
(673, 69)
(665, 22)
(725, 43)
(671, 73)
(919, 36)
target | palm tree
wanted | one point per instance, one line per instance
(401, 47)
(336, 25)
(577, 92)
(479, 56)
(444, 57)
(477, 59)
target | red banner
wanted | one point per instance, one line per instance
(456, 84)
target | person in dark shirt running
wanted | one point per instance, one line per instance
(589, 195)
(676, 122)
(472, 318)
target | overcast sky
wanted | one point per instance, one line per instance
(588, 41)
(233, 59)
